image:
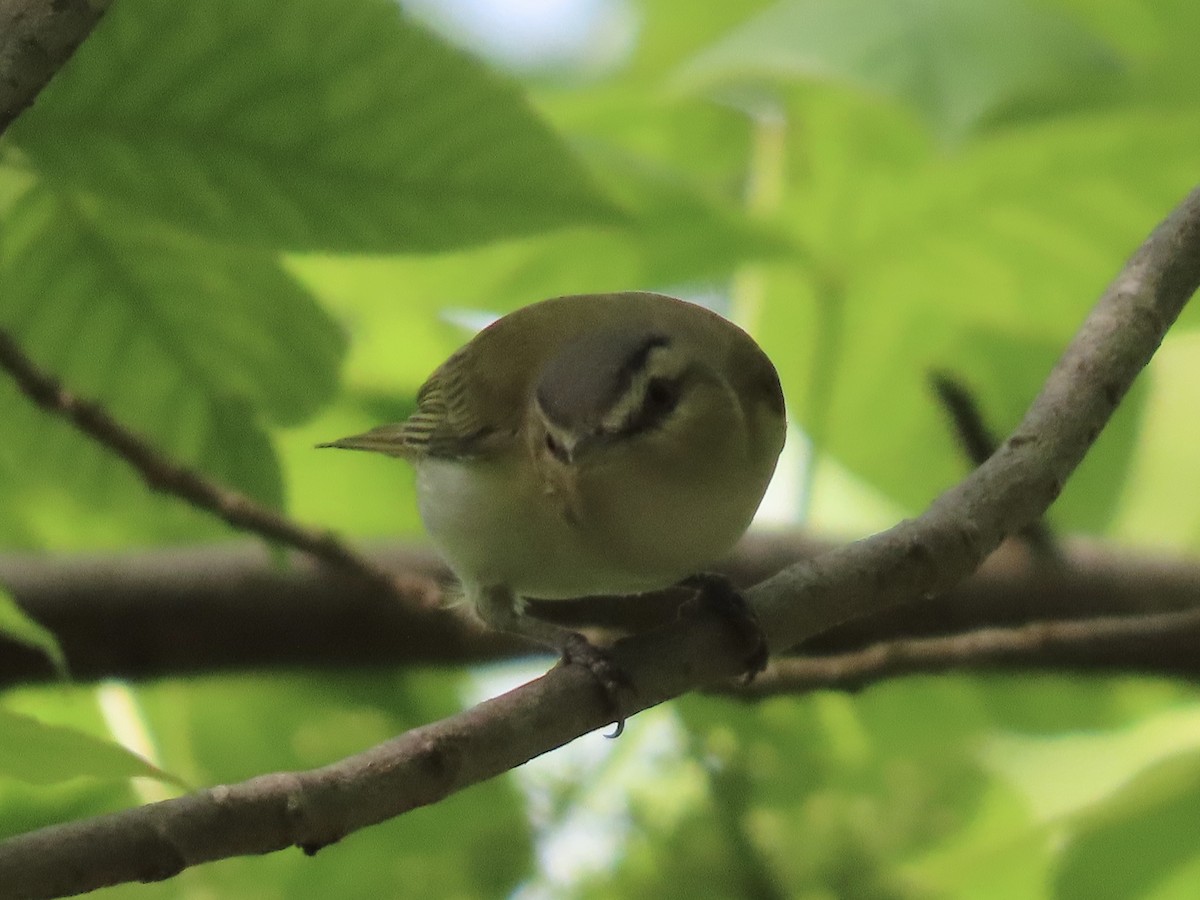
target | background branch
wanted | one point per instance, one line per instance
(233, 607)
(166, 476)
(928, 554)
(979, 442)
(1161, 643)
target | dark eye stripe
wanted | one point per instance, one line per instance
(580, 385)
(636, 360)
(659, 400)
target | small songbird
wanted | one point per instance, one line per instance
(590, 444)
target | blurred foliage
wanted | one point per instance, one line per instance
(17, 625)
(249, 227)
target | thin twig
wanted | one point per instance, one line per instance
(978, 442)
(914, 559)
(168, 477)
(1108, 643)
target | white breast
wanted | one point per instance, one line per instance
(496, 527)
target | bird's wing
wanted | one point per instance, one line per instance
(446, 424)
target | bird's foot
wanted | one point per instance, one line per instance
(577, 650)
(716, 594)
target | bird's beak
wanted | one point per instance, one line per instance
(387, 439)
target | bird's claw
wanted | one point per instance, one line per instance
(716, 594)
(612, 679)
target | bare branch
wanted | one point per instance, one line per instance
(232, 607)
(927, 555)
(166, 476)
(1162, 643)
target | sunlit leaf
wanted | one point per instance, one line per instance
(16, 624)
(969, 264)
(44, 754)
(194, 345)
(956, 63)
(1129, 845)
(305, 125)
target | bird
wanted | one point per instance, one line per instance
(591, 444)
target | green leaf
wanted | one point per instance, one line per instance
(189, 343)
(958, 64)
(1166, 462)
(677, 234)
(305, 124)
(1138, 839)
(955, 262)
(1004, 374)
(17, 625)
(881, 392)
(46, 754)
(673, 30)
(1046, 768)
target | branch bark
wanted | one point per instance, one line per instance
(36, 38)
(1161, 643)
(914, 559)
(232, 607)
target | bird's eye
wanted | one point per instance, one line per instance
(662, 395)
(557, 450)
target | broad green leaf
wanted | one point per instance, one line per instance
(45, 754)
(16, 624)
(673, 30)
(1165, 467)
(967, 263)
(1136, 841)
(957, 63)
(25, 806)
(881, 393)
(303, 124)
(355, 494)
(226, 320)
(191, 344)
(1023, 229)
(677, 235)
(1047, 768)
(998, 854)
(678, 232)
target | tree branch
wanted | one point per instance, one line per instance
(232, 607)
(978, 443)
(1159, 643)
(915, 558)
(36, 38)
(166, 476)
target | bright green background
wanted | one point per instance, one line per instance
(241, 225)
